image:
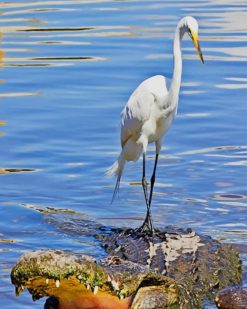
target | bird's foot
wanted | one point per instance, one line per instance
(147, 227)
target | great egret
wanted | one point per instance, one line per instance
(149, 113)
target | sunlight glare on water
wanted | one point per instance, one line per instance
(66, 70)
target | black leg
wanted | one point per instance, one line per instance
(147, 224)
(144, 182)
(153, 180)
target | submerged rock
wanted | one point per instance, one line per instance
(174, 269)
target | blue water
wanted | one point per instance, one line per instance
(66, 70)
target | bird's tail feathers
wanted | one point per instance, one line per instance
(116, 170)
(116, 190)
(117, 167)
(112, 170)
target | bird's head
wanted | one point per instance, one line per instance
(189, 25)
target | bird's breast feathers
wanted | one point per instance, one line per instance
(148, 106)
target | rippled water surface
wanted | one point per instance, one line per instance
(66, 70)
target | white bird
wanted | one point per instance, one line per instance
(149, 113)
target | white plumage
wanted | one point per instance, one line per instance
(145, 118)
(150, 111)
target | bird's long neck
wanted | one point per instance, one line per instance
(177, 70)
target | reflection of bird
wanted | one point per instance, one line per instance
(149, 114)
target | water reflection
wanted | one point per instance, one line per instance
(1, 62)
(18, 94)
(2, 123)
(15, 170)
(1, 52)
(215, 149)
(233, 83)
(15, 32)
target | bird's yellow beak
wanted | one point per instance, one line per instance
(195, 40)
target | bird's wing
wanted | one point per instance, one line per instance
(156, 84)
(139, 106)
(136, 112)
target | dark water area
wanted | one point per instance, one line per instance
(67, 69)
